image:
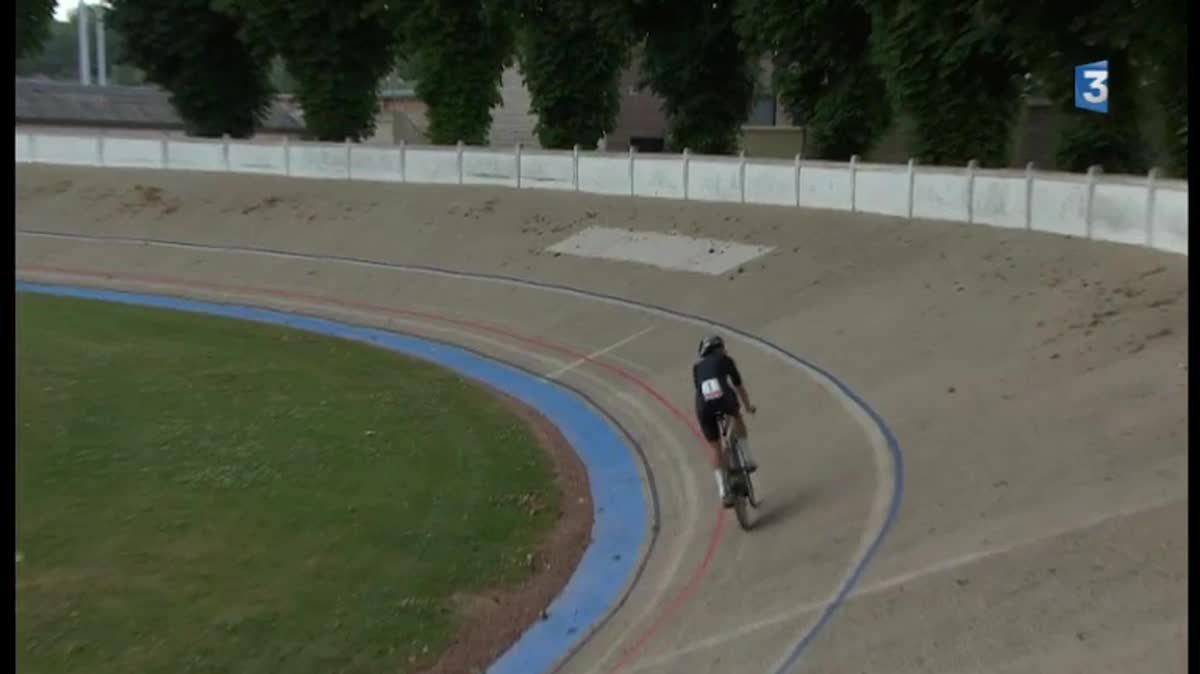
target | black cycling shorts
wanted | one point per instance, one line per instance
(706, 414)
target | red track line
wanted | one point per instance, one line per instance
(684, 593)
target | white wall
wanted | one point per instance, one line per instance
(1123, 209)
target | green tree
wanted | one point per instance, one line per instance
(1172, 95)
(458, 50)
(1052, 37)
(283, 81)
(693, 58)
(1163, 44)
(572, 55)
(218, 82)
(1113, 141)
(952, 69)
(34, 18)
(336, 51)
(823, 72)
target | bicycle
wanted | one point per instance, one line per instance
(737, 478)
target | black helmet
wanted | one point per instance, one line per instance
(710, 343)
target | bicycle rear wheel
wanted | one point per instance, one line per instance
(749, 481)
(740, 486)
(743, 512)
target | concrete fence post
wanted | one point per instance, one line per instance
(517, 164)
(225, 151)
(100, 149)
(287, 155)
(1151, 186)
(575, 166)
(798, 161)
(686, 158)
(742, 175)
(1029, 196)
(33, 159)
(972, 167)
(912, 183)
(459, 151)
(632, 180)
(1092, 172)
(164, 150)
(349, 156)
(403, 161)
(853, 181)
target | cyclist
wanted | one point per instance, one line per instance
(716, 379)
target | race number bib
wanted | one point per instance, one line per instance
(710, 389)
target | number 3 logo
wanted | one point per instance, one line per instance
(1091, 86)
(1097, 82)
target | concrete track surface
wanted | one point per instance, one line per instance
(1036, 386)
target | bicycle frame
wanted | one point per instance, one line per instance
(737, 477)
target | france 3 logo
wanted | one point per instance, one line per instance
(1091, 86)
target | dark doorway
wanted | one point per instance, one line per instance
(646, 144)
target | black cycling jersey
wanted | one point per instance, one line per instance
(712, 376)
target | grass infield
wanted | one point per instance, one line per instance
(200, 494)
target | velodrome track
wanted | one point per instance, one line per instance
(1012, 427)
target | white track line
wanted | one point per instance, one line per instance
(901, 579)
(596, 354)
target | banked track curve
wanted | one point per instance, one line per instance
(877, 425)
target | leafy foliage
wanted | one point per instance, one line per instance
(839, 67)
(823, 72)
(218, 82)
(694, 59)
(952, 69)
(1173, 97)
(1164, 44)
(336, 50)
(34, 18)
(572, 57)
(458, 50)
(1113, 140)
(1051, 37)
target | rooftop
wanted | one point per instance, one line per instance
(69, 103)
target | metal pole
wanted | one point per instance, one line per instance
(101, 52)
(85, 61)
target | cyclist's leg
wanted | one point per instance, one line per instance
(739, 424)
(734, 409)
(707, 418)
(739, 429)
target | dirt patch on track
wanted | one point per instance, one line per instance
(493, 620)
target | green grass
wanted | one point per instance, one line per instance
(199, 494)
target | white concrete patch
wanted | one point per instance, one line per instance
(666, 251)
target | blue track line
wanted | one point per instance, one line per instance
(619, 503)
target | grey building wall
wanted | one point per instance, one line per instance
(512, 122)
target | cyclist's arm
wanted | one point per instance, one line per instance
(735, 378)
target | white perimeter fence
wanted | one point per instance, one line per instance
(1143, 211)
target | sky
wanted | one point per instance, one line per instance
(64, 6)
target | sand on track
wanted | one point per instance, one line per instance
(1037, 384)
